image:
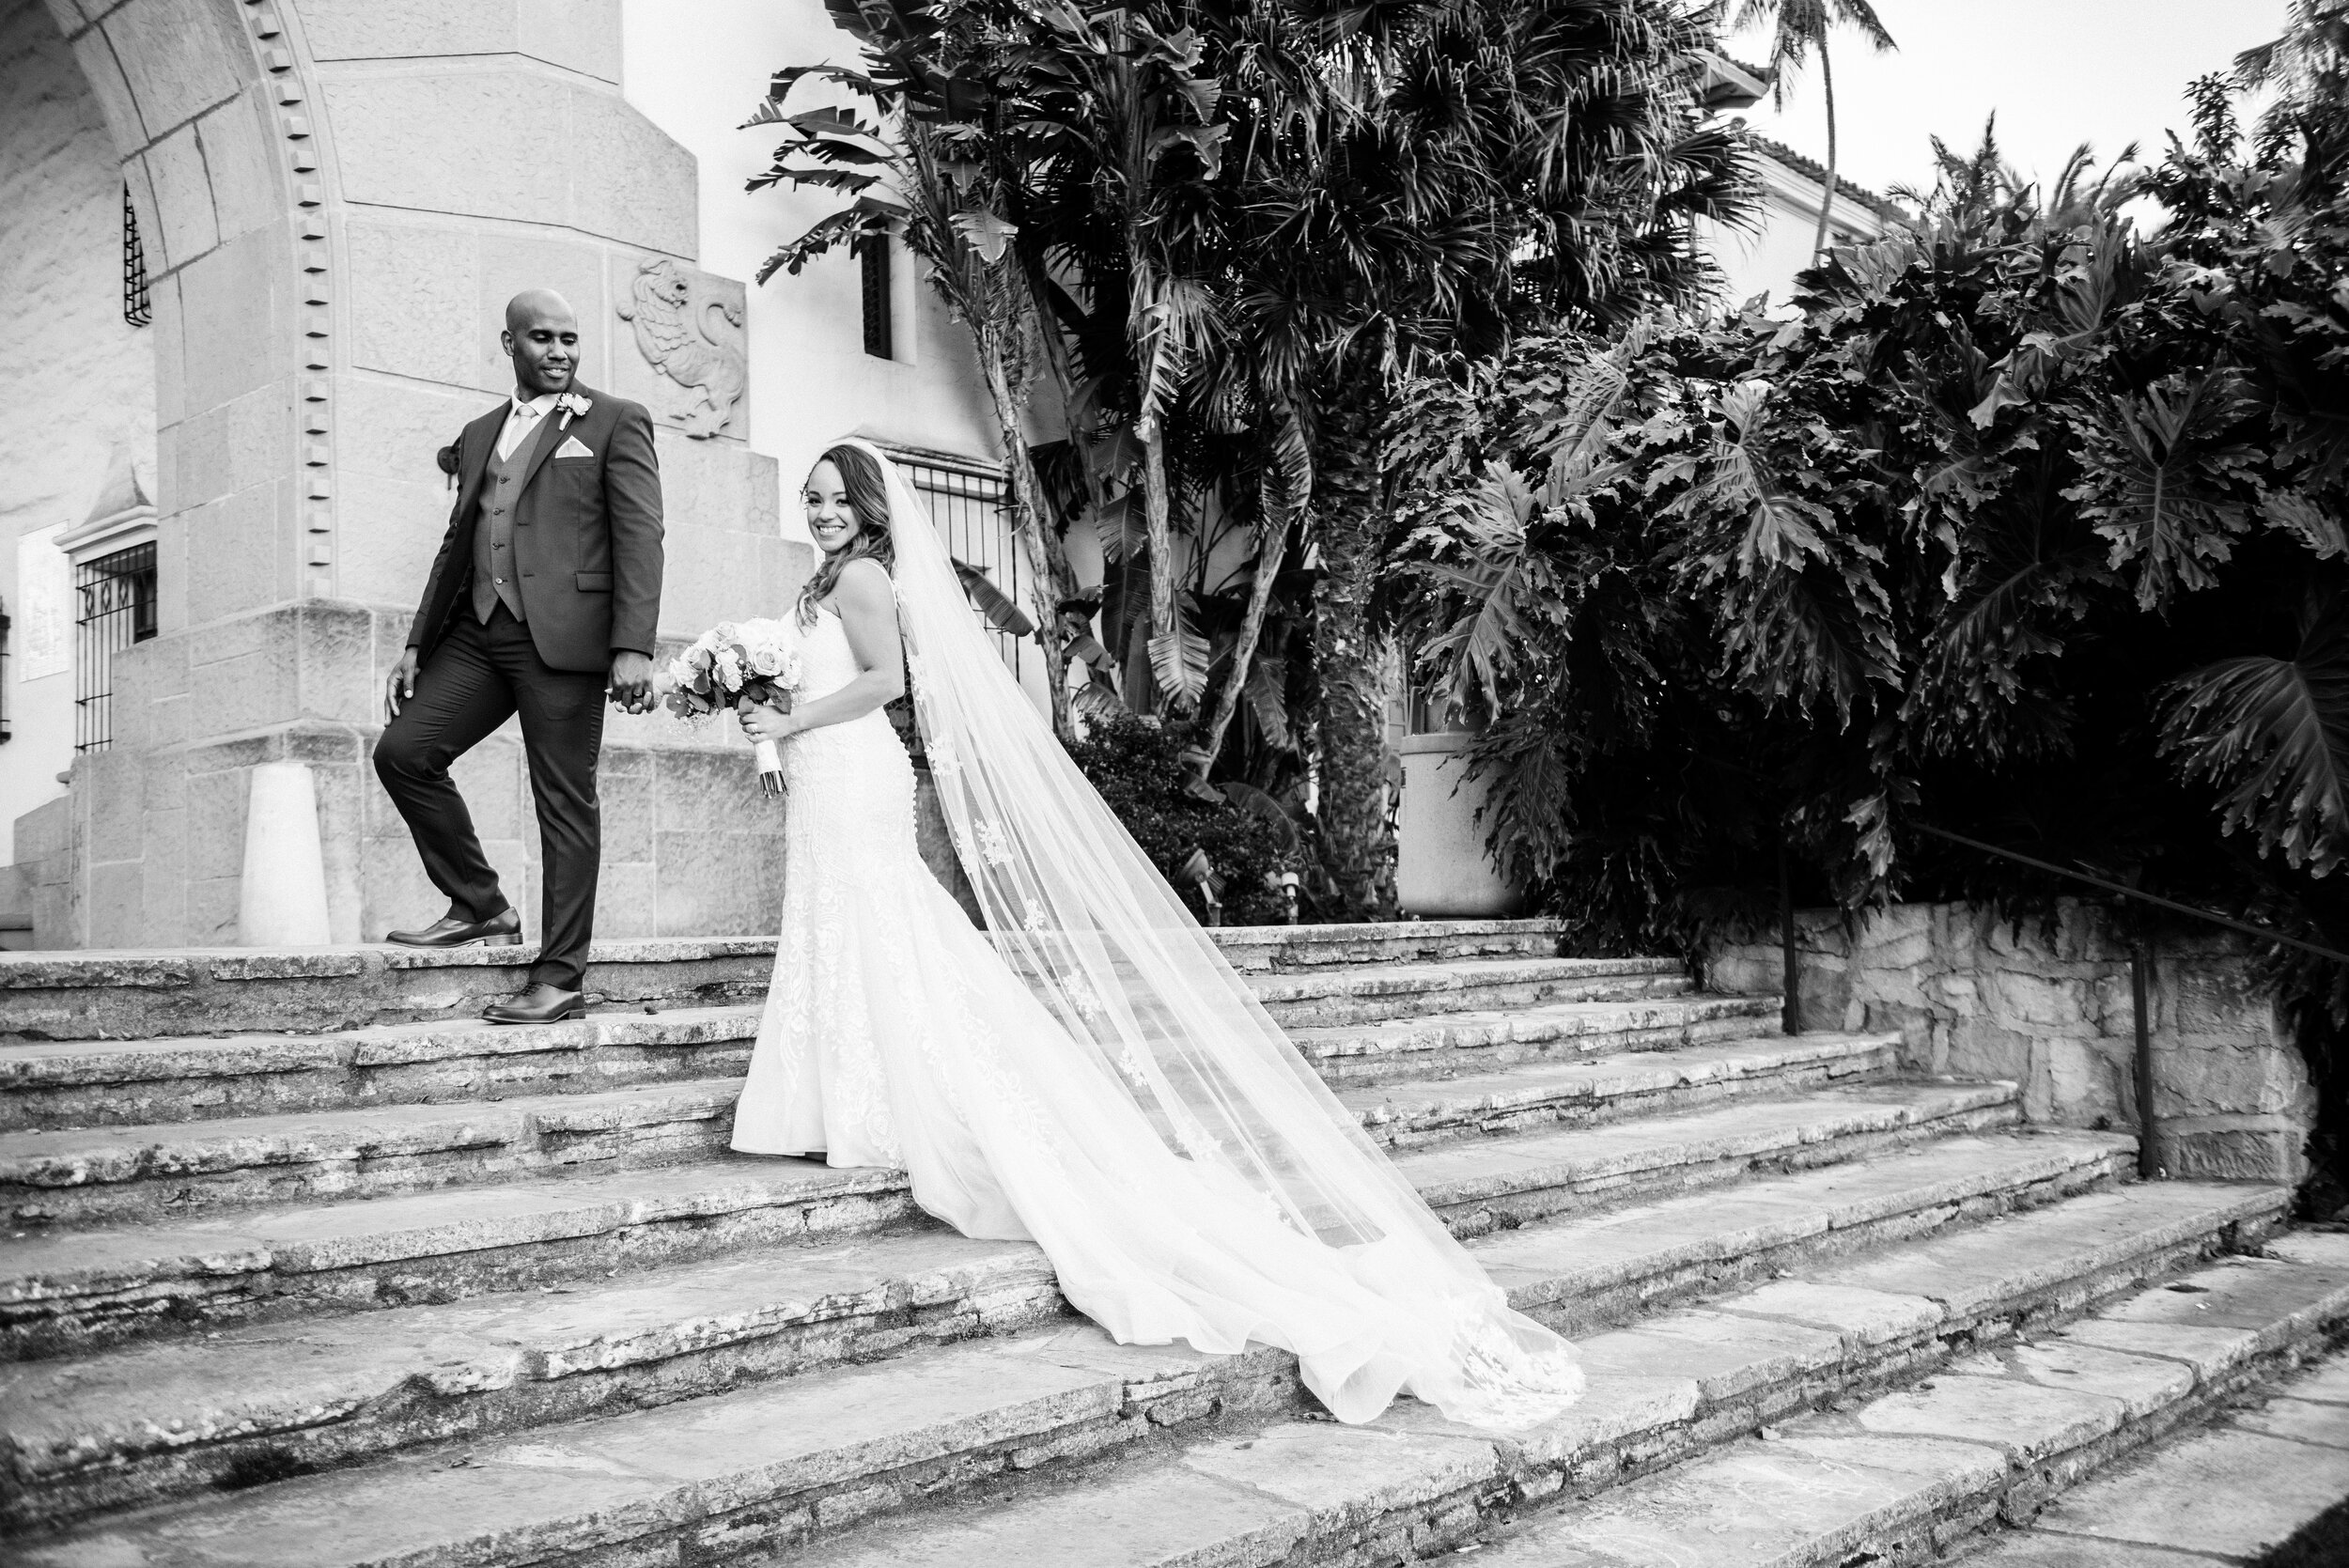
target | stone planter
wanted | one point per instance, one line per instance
(1441, 870)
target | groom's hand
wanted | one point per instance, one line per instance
(631, 682)
(401, 684)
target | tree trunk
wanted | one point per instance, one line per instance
(1158, 533)
(1826, 198)
(1027, 514)
(1270, 553)
(1352, 706)
(1050, 338)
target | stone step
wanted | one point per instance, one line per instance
(142, 994)
(1586, 1090)
(1996, 1434)
(106, 1174)
(314, 1392)
(2234, 1491)
(1309, 1000)
(1485, 1039)
(115, 1175)
(99, 1083)
(87, 1083)
(1406, 942)
(63, 1293)
(759, 1470)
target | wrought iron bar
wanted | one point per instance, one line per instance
(2141, 972)
(2213, 916)
(1790, 1006)
(2148, 1125)
(967, 505)
(118, 609)
(136, 308)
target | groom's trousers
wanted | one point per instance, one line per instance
(481, 674)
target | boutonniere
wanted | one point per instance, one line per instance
(573, 407)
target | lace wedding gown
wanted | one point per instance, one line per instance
(895, 1036)
(1089, 1073)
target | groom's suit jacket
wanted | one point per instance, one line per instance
(586, 535)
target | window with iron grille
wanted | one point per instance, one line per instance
(117, 609)
(3, 672)
(135, 308)
(965, 502)
(880, 340)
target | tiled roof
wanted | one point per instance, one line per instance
(1892, 211)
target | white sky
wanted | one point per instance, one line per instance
(2058, 71)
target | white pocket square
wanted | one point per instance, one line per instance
(573, 447)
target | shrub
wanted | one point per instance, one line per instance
(1138, 768)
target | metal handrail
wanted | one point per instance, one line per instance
(2126, 891)
(2141, 970)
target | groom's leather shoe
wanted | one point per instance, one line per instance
(541, 1003)
(504, 929)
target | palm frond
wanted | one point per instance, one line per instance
(1178, 659)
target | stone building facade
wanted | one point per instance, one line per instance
(332, 199)
(2048, 1004)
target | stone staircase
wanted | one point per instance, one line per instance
(306, 1266)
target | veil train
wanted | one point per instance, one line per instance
(1268, 1191)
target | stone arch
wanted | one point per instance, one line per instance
(210, 105)
(207, 103)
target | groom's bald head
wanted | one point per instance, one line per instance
(542, 338)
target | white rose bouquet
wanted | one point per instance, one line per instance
(758, 659)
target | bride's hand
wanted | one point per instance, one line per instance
(765, 721)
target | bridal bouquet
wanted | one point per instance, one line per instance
(758, 659)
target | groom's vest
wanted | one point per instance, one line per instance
(495, 580)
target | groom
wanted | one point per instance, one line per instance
(544, 596)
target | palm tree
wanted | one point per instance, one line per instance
(1980, 198)
(1798, 26)
(1522, 161)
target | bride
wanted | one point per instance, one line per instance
(1088, 1073)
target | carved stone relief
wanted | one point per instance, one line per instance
(690, 326)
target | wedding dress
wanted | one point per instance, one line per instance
(1088, 1072)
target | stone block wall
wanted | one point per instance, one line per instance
(2048, 1004)
(148, 850)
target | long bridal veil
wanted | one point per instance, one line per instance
(1076, 910)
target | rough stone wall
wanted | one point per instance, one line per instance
(76, 378)
(2050, 1006)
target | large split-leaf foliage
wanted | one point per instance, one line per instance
(2027, 529)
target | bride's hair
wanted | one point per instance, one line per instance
(868, 498)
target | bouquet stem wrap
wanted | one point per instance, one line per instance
(769, 768)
